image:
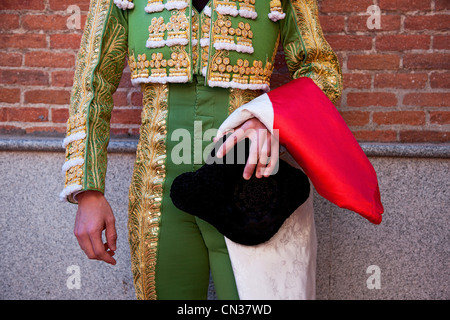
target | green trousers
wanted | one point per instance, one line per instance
(187, 249)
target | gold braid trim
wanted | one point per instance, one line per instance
(312, 56)
(146, 190)
(98, 71)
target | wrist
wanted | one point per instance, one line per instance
(89, 194)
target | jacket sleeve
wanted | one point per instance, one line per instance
(99, 67)
(307, 53)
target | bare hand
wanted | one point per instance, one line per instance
(263, 147)
(93, 216)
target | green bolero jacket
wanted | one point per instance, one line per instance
(231, 44)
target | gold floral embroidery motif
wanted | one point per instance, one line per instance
(312, 56)
(146, 190)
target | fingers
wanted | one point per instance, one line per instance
(229, 143)
(110, 233)
(89, 236)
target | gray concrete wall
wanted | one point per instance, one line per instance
(410, 249)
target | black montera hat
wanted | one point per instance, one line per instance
(248, 212)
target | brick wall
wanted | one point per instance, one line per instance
(396, 77)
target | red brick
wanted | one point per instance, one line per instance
(23, 77)
(427, 99)
(45, 130)
(332, 23)
(350, 42)
(126, 116)
(355, 118)
(60, 115)
(9, 21)
(9, 95)
(401, 80)
(366, 99)
(125, 81)
(22, 5)
(440, 80)
(10, 59)
(440, 117)
(63, 4)
(402, 42)
(433, 61)
(120, 98)
(347, 6)
(400, 117)
(374, 62)
(434, 22)
(49, 59)
(47, 96)
(65, 41)
(136, 98)
(27, 114)
(62, 78)
(3, 115)
(23, 40)
(11, 130)
(404, 5)
(387, 23)
(357, 80)
(441, 4)
(375, 135)
(44, 22)
(424, 136)
(441, 42)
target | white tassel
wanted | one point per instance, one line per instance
(161, 80)
(155, 44)
(124, 4)
(176, 5)
(227, 10)
(72, 163)
(68, 191)
(207, 11)
(225, 46)
(154, 8)
(275, 16)
(175, 42)
(244, 49)
(235, 85)
(248, 14)
(204, 42)
(194, 42)
(76, 136)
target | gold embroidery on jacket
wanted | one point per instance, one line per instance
(146, 190)
(312, 56)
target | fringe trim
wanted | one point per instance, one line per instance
(204, 42)
(204, 71)
(175, 42)
(72, 163)
(275, 16)
(161, 80)
(155, 44)
(68, 191)
(76, 136)
(124, 4)
(235, 85)
(248, 14)
(227, 10)
(232, 46)
(176, 5)
(154, 8)
(207, 11)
